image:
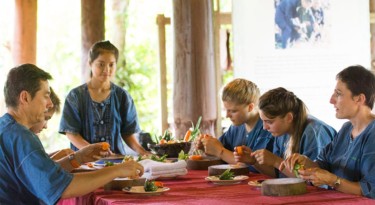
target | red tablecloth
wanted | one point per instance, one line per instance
(194, 189)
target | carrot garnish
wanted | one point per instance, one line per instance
(159, 184)
(195, 157)
(239, 150)
(187, 135)
(105, 146)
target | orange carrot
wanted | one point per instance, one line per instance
(195, 157)
(239, 150)
(187, 135)
(105, 146)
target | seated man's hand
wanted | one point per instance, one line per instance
(61, 154)
(93, 152)
(131, 169)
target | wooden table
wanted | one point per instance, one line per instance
(194, 189)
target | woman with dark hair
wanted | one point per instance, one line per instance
(347, 164)
(286, 117)
(99, 110)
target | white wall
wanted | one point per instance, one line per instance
(307, 69)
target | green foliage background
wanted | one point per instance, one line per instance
(139, 77)
(59, 53)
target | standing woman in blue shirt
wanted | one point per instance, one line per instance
(99, 110)
(348, 163)
(286, 117)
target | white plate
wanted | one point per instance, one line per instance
(236, 180)
(141, 190)
(256, 183)
(101, 162)
(115, 156)
(229, 166)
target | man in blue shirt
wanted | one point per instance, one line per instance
(27, 174)
(240, 98)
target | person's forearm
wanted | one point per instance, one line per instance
(65, 164)
(83, 183)
(347, 186)
(134, 145)
(77, 140)
(286, 172)
(226, 156)
(268, 169)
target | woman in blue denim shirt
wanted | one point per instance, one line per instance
(99, 110)
(347, 164)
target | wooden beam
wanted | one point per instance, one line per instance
(92, 29)
(372, 18)
(25, 26)
(194, 77)
(161, 21)
(225, 18)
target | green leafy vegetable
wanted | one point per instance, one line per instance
(182, 155)
(150, 186)
(167, 135)
(158, 159)
(108, 163)
(195, 129)
(227, 175)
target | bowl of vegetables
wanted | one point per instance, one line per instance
(168, 145)
(171, 150)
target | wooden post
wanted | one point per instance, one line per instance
(161, 21)
(195, 91)
(92, 28)
(24, 42)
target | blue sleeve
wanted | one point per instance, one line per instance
(352, 159)
(70, 119)
(43, 177)
(234, 136)
(279, 145)
(367, 181)
(38, 173)
(315, 137)
(258, 138)
(130, 124)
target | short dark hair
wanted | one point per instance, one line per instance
(101, 46)
(23, 77)
(359, 80)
